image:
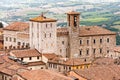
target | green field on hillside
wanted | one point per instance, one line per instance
(116, 27)
(117, 23)
(99, 19)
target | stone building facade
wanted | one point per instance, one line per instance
(16, 35)
(43, 34)
(73, 41)
(84, 42)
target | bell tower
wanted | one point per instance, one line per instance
(73, 19)
(73, 39)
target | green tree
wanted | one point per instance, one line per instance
(1, 25)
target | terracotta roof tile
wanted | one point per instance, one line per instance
(11, 69)
(103, 61)
(26, 53)
(100, 73)
(75, 61)
(73, 12)
(86, 31)
(17, 26)
(42, 18)
(35, 63)
(70, 62)
(50, 56)
(42, 75)
(9, 66)
(94, 30)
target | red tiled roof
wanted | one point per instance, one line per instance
(86, 31)
(8, 66)
(11, 69)
(35, 63)
(73, 12)
(50, 56)
(100, 73)
(17, 26)
(94, 30)
(26, 53)
(103, 61)
(42, 75)
(75, 61)
(42, 18)
(70, 62)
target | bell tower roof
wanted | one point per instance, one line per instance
(73, 13)
(42, 18)
(73, 19)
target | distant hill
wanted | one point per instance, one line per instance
(54, 1)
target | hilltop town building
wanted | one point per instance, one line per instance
(61, 49)
(72, 41)
(16, 36)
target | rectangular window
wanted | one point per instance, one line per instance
(80, 42)
(21, 59)
(19, 43)
(63, 42)
(38, 57)
(80, 52)
(100, 40)
(87, 42)
(30, 58)
(94, 41)
(100, 50)
(45, 35)
(107, 51)
(108, 40)
(14, 39)
(87, 52)
(94, 50)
